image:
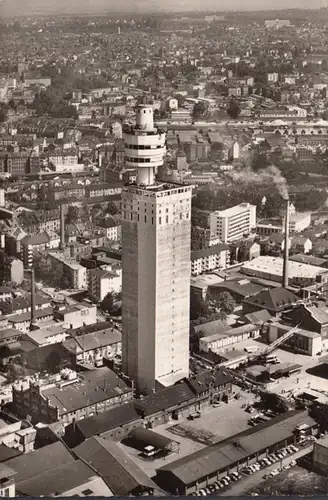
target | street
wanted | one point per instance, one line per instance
(249, 482)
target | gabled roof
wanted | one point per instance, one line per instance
(204, 380)
(35, 239)
(120, 473)
(45, 459)
(98, 424)
(165, 399)
(274, 300)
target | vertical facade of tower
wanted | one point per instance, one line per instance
(156, 230)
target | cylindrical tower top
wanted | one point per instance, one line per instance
(145, 117)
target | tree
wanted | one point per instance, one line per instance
(3, 114)
(107, 303)
(111, 208)
(226, 304)
(72, 214)
(233, 109)
(199, 110)
(198, 307)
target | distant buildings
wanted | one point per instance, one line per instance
(277, 23)
(233, 223)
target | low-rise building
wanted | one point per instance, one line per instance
(76, 316)
(275, 301)
(71, 400)
(232, 336)
(271, 268)
(52, 471)
(92, 347)
(303, 341)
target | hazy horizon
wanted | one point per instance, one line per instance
(48, 7)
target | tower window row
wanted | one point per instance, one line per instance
(138, 160)
(142, 146)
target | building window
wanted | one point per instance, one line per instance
(160, 220)
(167, 219)
(87, 492)
(145, 219)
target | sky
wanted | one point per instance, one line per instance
(29, 7)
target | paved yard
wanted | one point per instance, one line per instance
(224, 421)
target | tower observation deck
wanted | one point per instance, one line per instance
(144, 146)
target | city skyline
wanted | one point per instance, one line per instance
(14, 7)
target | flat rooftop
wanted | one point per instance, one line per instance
(230, 212)
(274, 265)
(158, 189)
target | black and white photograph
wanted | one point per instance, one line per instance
(163, 248)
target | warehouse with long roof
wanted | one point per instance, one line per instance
(205, 466)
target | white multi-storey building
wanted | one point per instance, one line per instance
(156, 230)
(233, 223)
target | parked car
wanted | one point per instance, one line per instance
(211, 488)
(286, 467)
(293, 463)
(274, 473)
(202, 493)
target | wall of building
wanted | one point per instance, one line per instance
(156, 285)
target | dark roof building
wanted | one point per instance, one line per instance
(165, 399)
(113, 423)
(115, 467)
(275, 301)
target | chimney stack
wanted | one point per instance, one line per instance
(33, 318)
(286, 249)
(62, 228)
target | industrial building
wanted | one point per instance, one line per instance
(271, 268)
(156, 228)
(232, 336)
(232, 224)
(205, 466)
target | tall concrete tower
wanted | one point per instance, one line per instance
(156, 231)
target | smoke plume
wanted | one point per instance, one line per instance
(268, 175)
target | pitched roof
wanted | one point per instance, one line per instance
(243, 287)
(206, 252)
(93, 340)
(165, 399)
(120, 473)
(35, 239)
(57, 481)
(85, 392)
(202, 381)
(209, 460)
(274, 300)
(108, 420)
(37, 462)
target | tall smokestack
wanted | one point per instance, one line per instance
(33, 317)
(62, 227)
(286, 249)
